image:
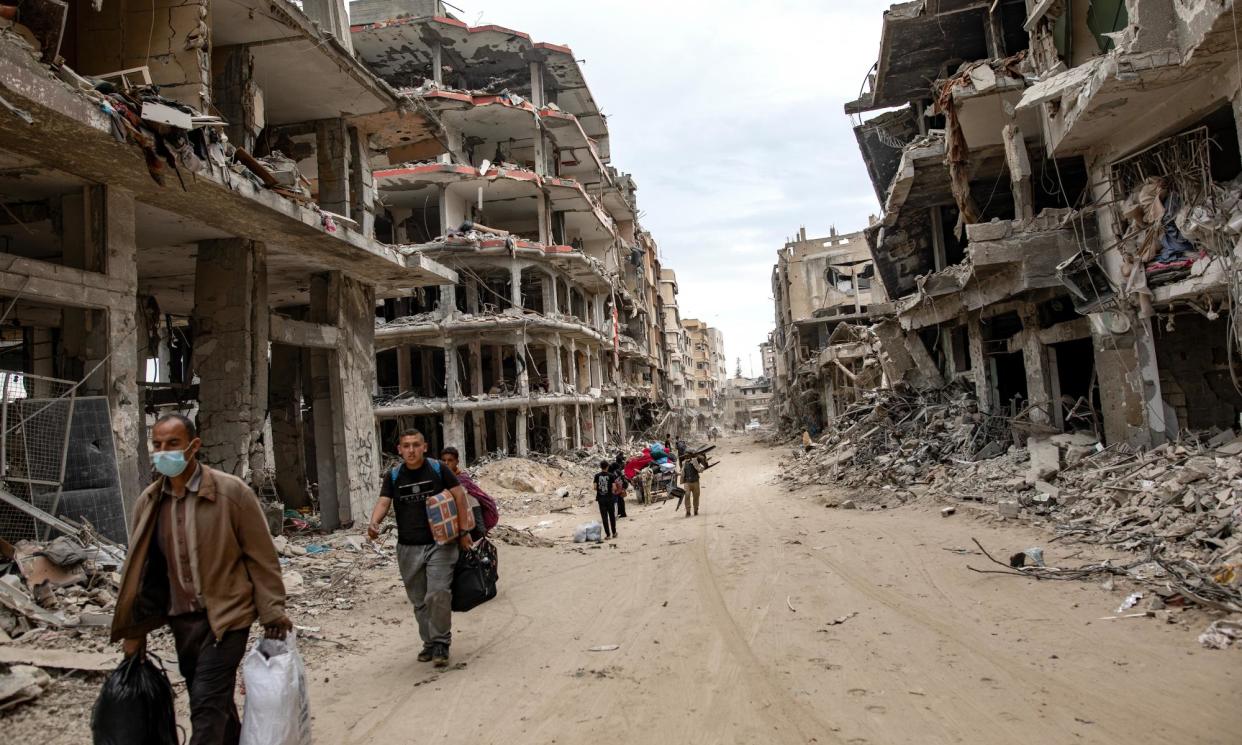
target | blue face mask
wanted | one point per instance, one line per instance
(169, 462)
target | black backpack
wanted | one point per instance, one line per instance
(474, 577)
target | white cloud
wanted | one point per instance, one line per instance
(729, 115)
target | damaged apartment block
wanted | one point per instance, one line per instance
(267, 220)
(1061, 209)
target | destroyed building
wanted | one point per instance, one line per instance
(552, 337)
(271, 221)
(1061, 208)
(187, 226)
(705, 376)
(819, 286)
(746, 400)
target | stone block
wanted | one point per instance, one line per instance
(1008, 509)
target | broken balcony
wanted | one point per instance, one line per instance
(921, 40)
(487, 59)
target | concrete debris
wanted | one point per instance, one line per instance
(20, 684)
(1221, 634)
(1177, 506)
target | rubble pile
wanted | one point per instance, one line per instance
(69, 582)
(892, 438)
(536, 485)
(1175, 507)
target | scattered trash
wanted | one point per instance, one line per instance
(789, 602)
(605, 648)
(1221, 634)
(948, 511)
(1131, 600)
(592, 532)
(842, 619)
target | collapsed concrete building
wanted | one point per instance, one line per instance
(1061, 208)
(820, 287)
(746, 400)
(552, 338)
(270, 220)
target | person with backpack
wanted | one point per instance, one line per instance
(690, 482)
(606, 485)
(486, 514)
(618, 471)
(425, 495)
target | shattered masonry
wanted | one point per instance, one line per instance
(1060, 222)
(307, 235)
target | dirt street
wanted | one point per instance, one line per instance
(725, 631)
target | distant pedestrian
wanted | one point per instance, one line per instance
(618, 472)
(606, 499)
(426, 566)
(202, 562)
(690, 482)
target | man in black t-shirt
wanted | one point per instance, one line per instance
(426, 566)
(606, 499)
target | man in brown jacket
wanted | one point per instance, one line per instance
(202, 561)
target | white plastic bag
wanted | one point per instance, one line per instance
(277, 702)
(592, 532)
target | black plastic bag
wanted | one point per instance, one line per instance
(135, 706)
(474, 577)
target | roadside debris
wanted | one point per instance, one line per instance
(1221, 634)
(20, 684)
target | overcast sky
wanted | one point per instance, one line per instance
(729, 115)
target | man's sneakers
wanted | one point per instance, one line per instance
(439, 655)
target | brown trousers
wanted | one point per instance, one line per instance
(692, 495)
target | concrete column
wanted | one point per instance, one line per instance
(288, 443)
(332, 152)
(235, 94)
(1019, 172)
(405, 372)
(551, 305)
(472, 296)
(361, 182)
(522, 442)
(437, 63)
(556, 381)
(454, 429)
(346, 451)
(121, 262)
(515, 284)
(544, 215)
(476, 389)
(448, 301)
(560, 431)
(501, 418)
(230, 352)
(1035, 360)
(332, 18)
(452, 382)
(521, 362)
(978, 363)
(577, 427)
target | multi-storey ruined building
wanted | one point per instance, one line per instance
(552, 336)
(705, 375)
(746, 400)
(1061, 207)
(819, 286)
(676, 349)
(186, 226)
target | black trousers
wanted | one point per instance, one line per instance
(608, 515)
(210, 671)
(621, 506)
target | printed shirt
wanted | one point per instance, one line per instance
(173, 537)
(409, 499)
(603, 486)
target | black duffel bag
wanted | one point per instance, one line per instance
(474, 577)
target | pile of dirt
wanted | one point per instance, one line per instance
(537, 485)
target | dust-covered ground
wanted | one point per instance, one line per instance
(768, 618)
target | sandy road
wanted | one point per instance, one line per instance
(711, 652)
